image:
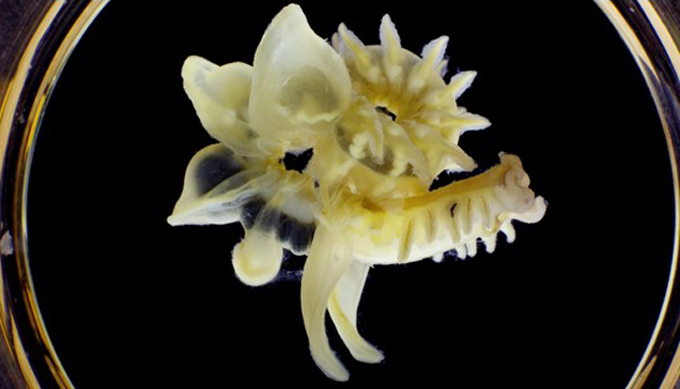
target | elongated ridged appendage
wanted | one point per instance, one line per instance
(454, 217)
(478, 209)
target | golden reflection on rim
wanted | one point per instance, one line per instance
(648, 69)
(14, 90)
(8, 328)
(13, 336)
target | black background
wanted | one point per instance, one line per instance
(132, 302)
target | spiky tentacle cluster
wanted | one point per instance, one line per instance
(422, 137)
(382, 124)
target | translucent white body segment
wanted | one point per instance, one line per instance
(327, 261)
(212, 193)
(220, 95)
(382, 124)
(343, 305)
(300, 84)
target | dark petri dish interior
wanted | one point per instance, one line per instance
(131, 302)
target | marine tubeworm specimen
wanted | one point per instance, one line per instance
(381, 123)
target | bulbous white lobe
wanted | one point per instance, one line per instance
(257, 258)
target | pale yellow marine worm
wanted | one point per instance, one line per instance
(382, 124)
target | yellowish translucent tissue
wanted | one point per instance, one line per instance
(382, 125)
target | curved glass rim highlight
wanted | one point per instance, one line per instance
(41, 39)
